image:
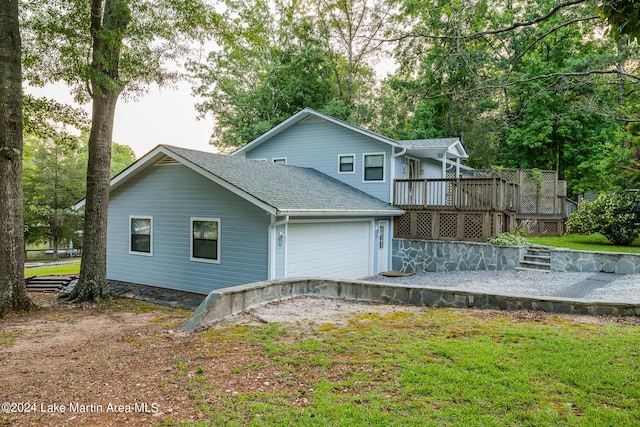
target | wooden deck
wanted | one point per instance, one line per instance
(476, 194)
(478, 208)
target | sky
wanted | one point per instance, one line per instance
(166, 116)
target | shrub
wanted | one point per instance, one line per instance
(507, 239)
(614, 215)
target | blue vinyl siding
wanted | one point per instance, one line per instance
(172, 194)
(317, 144)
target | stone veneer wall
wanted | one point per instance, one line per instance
(583, 261)
(415, 256)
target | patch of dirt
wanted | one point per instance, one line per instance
(68, 365)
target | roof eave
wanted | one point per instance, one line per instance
(339, 212)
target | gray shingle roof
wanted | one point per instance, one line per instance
(286, 188)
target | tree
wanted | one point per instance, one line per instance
(131, 44)
(354, 30)
(527, 84)
(54, 178)
(13, 292)
(270, 64)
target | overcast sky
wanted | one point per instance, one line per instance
(160, 117)
(164, 116)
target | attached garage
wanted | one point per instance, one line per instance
(332, 249)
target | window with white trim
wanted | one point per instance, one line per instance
(141, 235)
(280, 160)
(346, 163)
(373, 167)
(205, 239)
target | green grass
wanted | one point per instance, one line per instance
(440, 367)
(53, 269)
(595, 242)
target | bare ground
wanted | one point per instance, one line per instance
(110, 360)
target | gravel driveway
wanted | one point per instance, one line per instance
(592, 286)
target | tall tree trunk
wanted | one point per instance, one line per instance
(109, 21)
(92, 283)
(13, 292)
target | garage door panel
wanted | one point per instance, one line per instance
(338, 250)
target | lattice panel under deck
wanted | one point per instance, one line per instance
(550, 228)
(403, 225)
(448, 225)
(424, 225)
(473, 226)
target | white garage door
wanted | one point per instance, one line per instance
(338, 250)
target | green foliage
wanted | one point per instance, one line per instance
(623, 16)
(54, 176)
(145, 40)
(277, 57)
(615, 215)
(508, 239)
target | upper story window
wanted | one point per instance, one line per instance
(280, 160)
(141, 235)
(346, 163)
(205, 239)
(374, 167)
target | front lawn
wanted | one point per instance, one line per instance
(595, 242)
(440, 367)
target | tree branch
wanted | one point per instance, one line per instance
(486, 33)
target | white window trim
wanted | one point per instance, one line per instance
(273, 160)
(150, 253)
(261, 159)
(384, 168)
(353, 156)
(205, 260)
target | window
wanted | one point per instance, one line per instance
(346, 163)
(280, 160)
(205, 240)
(374, 167)
(141, 235)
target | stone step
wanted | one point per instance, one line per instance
(538, 258)
(536, 265)
(521, 268)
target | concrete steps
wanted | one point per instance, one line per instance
(537, 258)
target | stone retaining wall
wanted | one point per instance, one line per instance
(416, 256)
(584, 261)
(227, 301)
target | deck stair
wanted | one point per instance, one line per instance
(536, 258)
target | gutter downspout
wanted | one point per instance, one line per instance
(393, 171)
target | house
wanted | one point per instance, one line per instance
(312, 197)
(196, 222)
(363, 159)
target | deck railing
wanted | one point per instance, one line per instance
(477, 194)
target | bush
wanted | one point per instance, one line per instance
(507, 239)
(614, 215)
